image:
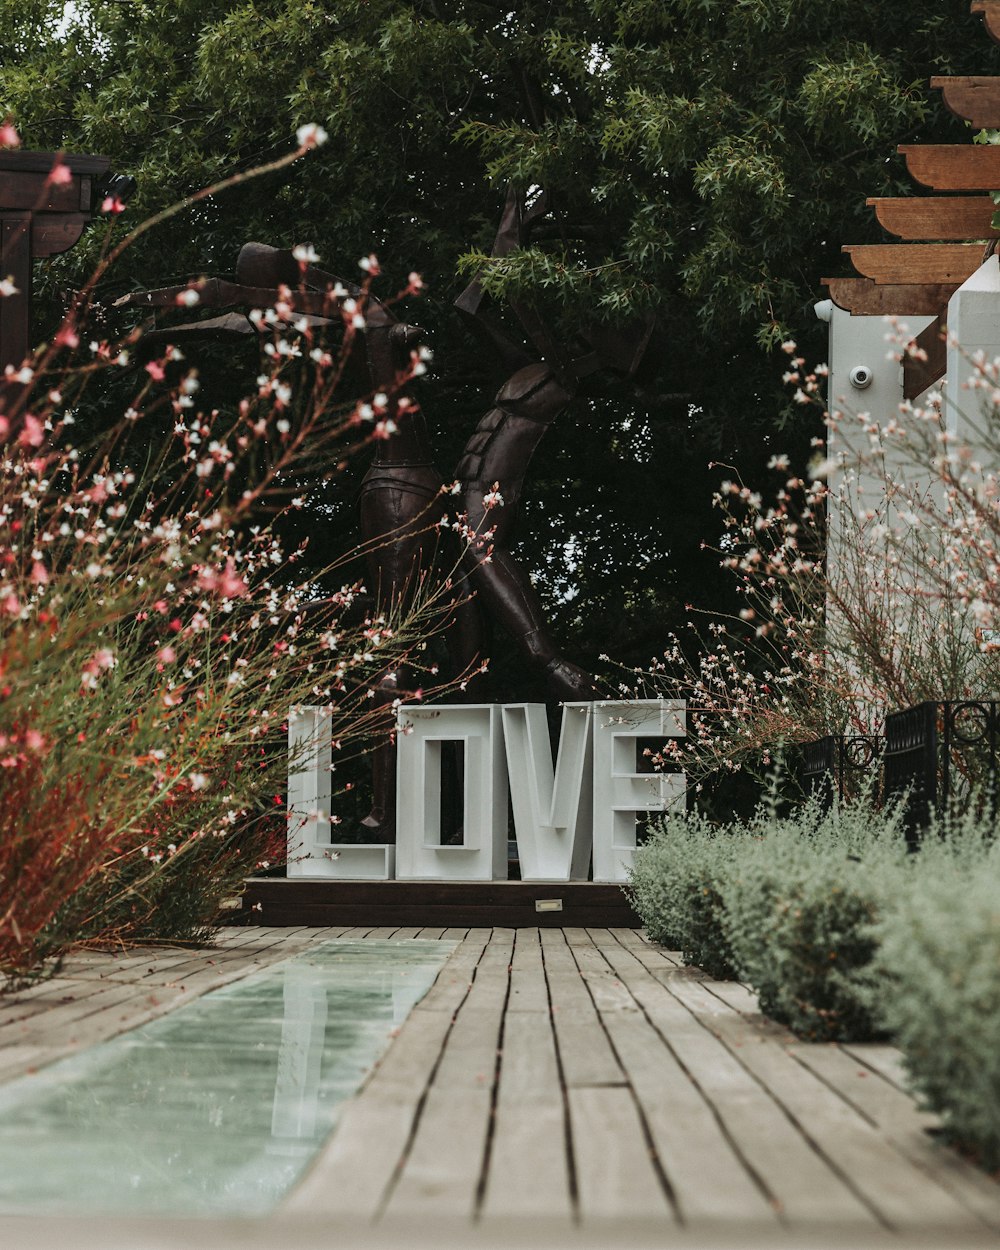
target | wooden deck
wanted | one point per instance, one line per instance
(561, 1087)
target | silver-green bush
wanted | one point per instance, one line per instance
(938, 969)
(800, 906)
(675, 888)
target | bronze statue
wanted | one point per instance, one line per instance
(401, 486)
(497, 456)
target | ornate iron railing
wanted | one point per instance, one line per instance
(942, 755)
(840, 764)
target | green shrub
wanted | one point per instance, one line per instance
(939, 972)
(800, 906)
(675, 888)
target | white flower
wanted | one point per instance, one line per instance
(7, 287)
(311, 136)
(305, 253)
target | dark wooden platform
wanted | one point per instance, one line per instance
(282, 901)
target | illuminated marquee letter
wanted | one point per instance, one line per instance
(311, 849)
(621, 794)
(552, 810)
(420, 853)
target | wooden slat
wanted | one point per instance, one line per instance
(34, 192)
(896, 1115)
(936, 216)
(864, 298)
(435, 903)
(953, 166)
(528, 1173)
(895, 263)
(918, 374)
(974, 99)
(584, 1051)
(904, 1197)
(443, 1169)
(15, 310)
(615, 1175)
(709, 1180)
(990, 9)
(796, 1179)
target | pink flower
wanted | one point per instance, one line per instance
(60, 175)
(156, 371)
(32, 432)
(167, 654)
(39, 574)
(9, 138)
(226, 582)
(112, 204)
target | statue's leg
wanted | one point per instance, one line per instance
(507, 594)
(395, 519)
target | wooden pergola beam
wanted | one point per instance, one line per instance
(862, 297)
(38, 218)
(974, 99)
(918, 374)
(953, 166)
(990, 9)
(936, 216)
(895, 263)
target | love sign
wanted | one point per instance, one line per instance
(584, 805)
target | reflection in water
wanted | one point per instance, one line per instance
(217, 1107)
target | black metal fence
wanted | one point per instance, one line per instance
(841, 764)
(943, 755)
(939, 755)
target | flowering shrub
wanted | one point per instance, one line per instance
(155, 628)
(863, 584)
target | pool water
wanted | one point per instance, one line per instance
(218, 1107)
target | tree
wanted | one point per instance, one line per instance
(706, 158)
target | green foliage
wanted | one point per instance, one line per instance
(938, 969)
(799, 911)
(719, 152)
(676, 887)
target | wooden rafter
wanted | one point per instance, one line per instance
(862, 297)
(990, 10)
(973, 99)
(953, 166)
(919, 374)
(895, 263)
(936, 216)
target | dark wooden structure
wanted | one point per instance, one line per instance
(39, 217)
(280, 902)
(945, 237)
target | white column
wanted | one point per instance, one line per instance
(973, 326)
(311, 849)
(552, 809)
(621, 794)
(420, 734)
